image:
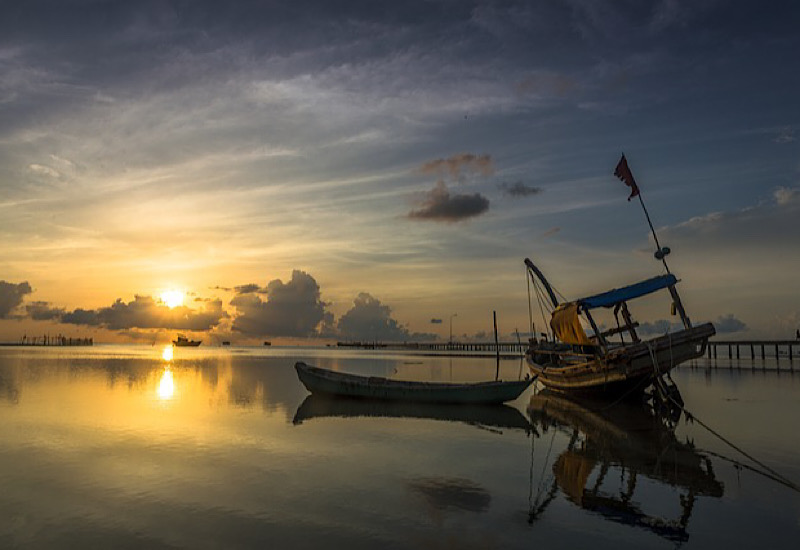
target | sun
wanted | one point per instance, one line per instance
(172, 298)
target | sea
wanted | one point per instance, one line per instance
(140, 446)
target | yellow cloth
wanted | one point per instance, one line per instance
(566, 325)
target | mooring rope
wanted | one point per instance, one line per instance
(693, 418)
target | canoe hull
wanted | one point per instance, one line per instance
(327, 382)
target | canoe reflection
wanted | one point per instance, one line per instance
(485, 416)
(630, 443)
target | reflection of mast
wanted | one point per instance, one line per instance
(633, 442)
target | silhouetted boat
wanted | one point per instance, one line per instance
(226, 343)
(491, 416)
(183, 342)
(324, 381)
(267, 343)
(612, 451)
(576, 363)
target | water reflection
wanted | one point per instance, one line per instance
(613, 451)
(487, 417)
(444, 493)
(166, 386)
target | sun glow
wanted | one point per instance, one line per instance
(172, 298)
(166, 353)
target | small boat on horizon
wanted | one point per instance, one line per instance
(328, 382)
(183, 342)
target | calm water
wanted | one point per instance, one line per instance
(125, 446)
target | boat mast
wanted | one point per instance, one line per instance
(535, 270)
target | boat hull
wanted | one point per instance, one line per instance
(627, 370)
(326, 382)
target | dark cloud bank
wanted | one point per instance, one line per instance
(290, 309)
(11, 296)
(439, 205)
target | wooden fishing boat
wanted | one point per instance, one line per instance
(183, 342)
(568, 360)
(324, 381)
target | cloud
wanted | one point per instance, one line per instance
(728, 323)
(765, 226)
(550, 232)
(290, 309)
(662, 326)
(440, 206)
(546, 83)
(145, 313)
(786, 135)
(368, 319)
(247, 289)
(518, 189)
(436, 321)
(422, 337)
(11, 296)
(44, 170)
(785, 195)
(41, 311)
(458, 166)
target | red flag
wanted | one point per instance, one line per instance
(624, 173)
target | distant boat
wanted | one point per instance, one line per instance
(573, 362)
(183, 342)
(324, 381)
(226, 343)
(267, 343)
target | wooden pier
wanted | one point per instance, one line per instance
(730, 349)
(779, 349)
(515, 348)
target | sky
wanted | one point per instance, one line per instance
(319, 171)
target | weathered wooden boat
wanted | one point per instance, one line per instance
(568, 360)
(324, 381)
(183, 342)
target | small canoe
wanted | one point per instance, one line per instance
(327, 382)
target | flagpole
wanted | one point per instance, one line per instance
(652, 229)
(624, 173)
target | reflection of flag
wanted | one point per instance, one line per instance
(624, 173)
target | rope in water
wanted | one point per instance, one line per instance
(692, 417)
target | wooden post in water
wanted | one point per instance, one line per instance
(752, 352)
(496, 346)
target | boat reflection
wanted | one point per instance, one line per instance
(612, 451)
(492, 417)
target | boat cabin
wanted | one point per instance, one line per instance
(567, 327)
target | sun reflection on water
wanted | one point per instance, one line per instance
(166, 386)
(166, 353)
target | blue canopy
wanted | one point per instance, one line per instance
(613, 297)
